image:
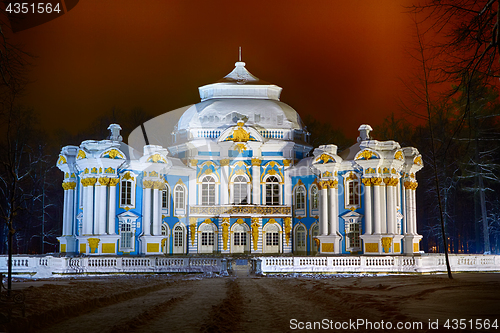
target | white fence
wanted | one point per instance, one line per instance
(44, 266)
(426, 263)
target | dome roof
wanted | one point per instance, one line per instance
(240, 95)
(222, 113)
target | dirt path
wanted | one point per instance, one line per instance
(242, 303)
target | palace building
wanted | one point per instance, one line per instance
(235, 173)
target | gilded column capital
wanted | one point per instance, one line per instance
(103, 181)
(409, 185)
(377, 181)
(88, 181)
(224, 162)
(158, 185)
(113, 181)
(256, 162)
(367, 181)
(333, 183)
(193, 162)
(147, 184)
(391, 181)
(287, 162)
(68, 185)
(323, 184)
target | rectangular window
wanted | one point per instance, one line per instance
(179, 197)
(276, 240)
(269, 239)
(208, 194)
(243, 238)
(211, 239)
(164, 199)
(178, 238)
(236, 238)
(126, 236)
(204, 238)
(126, 193)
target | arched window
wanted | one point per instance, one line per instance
(300, 239)
(272, 241)
(314, 198)
(300, 198)
(314, 233)
(164, 230)
(208, 191)
(240, 195)
(272, 191)
(179, 197)
(178, 236)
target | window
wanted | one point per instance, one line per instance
(240, 238)
(301, 237)
(352, 191)
(314, 198)
(240, 191)
(207, 238)
(126, 235)
(353, 241)
(314, 234)
(179, 196)
(164, 230)
(208, 191)
(178, 236)
(272, 238)
(352, 231)
(272, 191)
(300, 198)
(126, 192)
(127, 223)
(165, 198)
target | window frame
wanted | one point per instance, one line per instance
(210, 187)
(130, 180)
(245, 182)
(352, 192)
(314, 192)
(272, 184)
(299, 200)
(180, 209)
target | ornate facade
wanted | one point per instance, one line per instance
(237, 175)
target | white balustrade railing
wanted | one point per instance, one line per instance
(379, 264)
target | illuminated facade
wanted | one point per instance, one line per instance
(237, 175)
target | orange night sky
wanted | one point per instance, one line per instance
(341, 61)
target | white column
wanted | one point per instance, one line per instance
(383, 208)
(256, 184)
(156, 213)
(65, 210)
(404, 212)
(391, 209)
(112, 206)
(334, 214)
(368, 207)
(377, 228)
(409, 214)
(100, 204)
(323, 216)
(88, 206)
(224, 183)
(71, 211)
(146, 210)
(413, 212)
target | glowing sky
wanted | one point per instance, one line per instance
(339, 60)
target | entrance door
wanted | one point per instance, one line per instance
(240, 239)
(178, 239)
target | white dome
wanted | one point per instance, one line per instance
(240, 95)
(223, 113)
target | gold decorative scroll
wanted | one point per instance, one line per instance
(158, 185)
(288, 229)
(93, 244)
(255, 232)
(399, 155)
(386, 244)
(225, 162)
(418, 160)
(61, 160)
(239, 210)
(333, 183)
(225, 232)
(113, 181)
(366, 155)
(127, 176)
(287, 162)
(391, 181)
(192, 229)
(367, 181)
(323, 184)
(147, 184)
(81, 154)
(376, 181)
(325, 158)
(156, 158)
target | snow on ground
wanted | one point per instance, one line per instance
(243, 303)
